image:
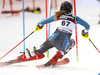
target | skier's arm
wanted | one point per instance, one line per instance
(85, 24)
(44, 21)
(82, 22)
(47, 20)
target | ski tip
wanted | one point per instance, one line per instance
(2, 64)
(67, 59)
(40, 66)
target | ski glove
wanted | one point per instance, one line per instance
(85, 33)
(39, 27)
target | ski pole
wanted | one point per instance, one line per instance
(17, 45)
(37, 29)
(93, 44)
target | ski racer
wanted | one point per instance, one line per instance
(61, 38)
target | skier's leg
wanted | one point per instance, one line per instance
(60, 54)
(43, 48)
(61, 46)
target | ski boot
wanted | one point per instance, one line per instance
(36, 56)
(23, 57)
(54, 59)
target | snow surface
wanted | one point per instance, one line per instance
(11, 33)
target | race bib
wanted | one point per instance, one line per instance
(66, 25)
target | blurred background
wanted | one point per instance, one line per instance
(11, 33)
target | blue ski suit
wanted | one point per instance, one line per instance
(60, 39)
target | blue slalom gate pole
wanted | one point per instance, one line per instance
(49, 23)
(49, 16)
(23, 26)
(49, 26)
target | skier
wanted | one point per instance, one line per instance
(61, 38)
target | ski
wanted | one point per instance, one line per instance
(61, 62)
(19, 60)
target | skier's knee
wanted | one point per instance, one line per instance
(72, 43)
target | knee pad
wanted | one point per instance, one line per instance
(72, 43)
